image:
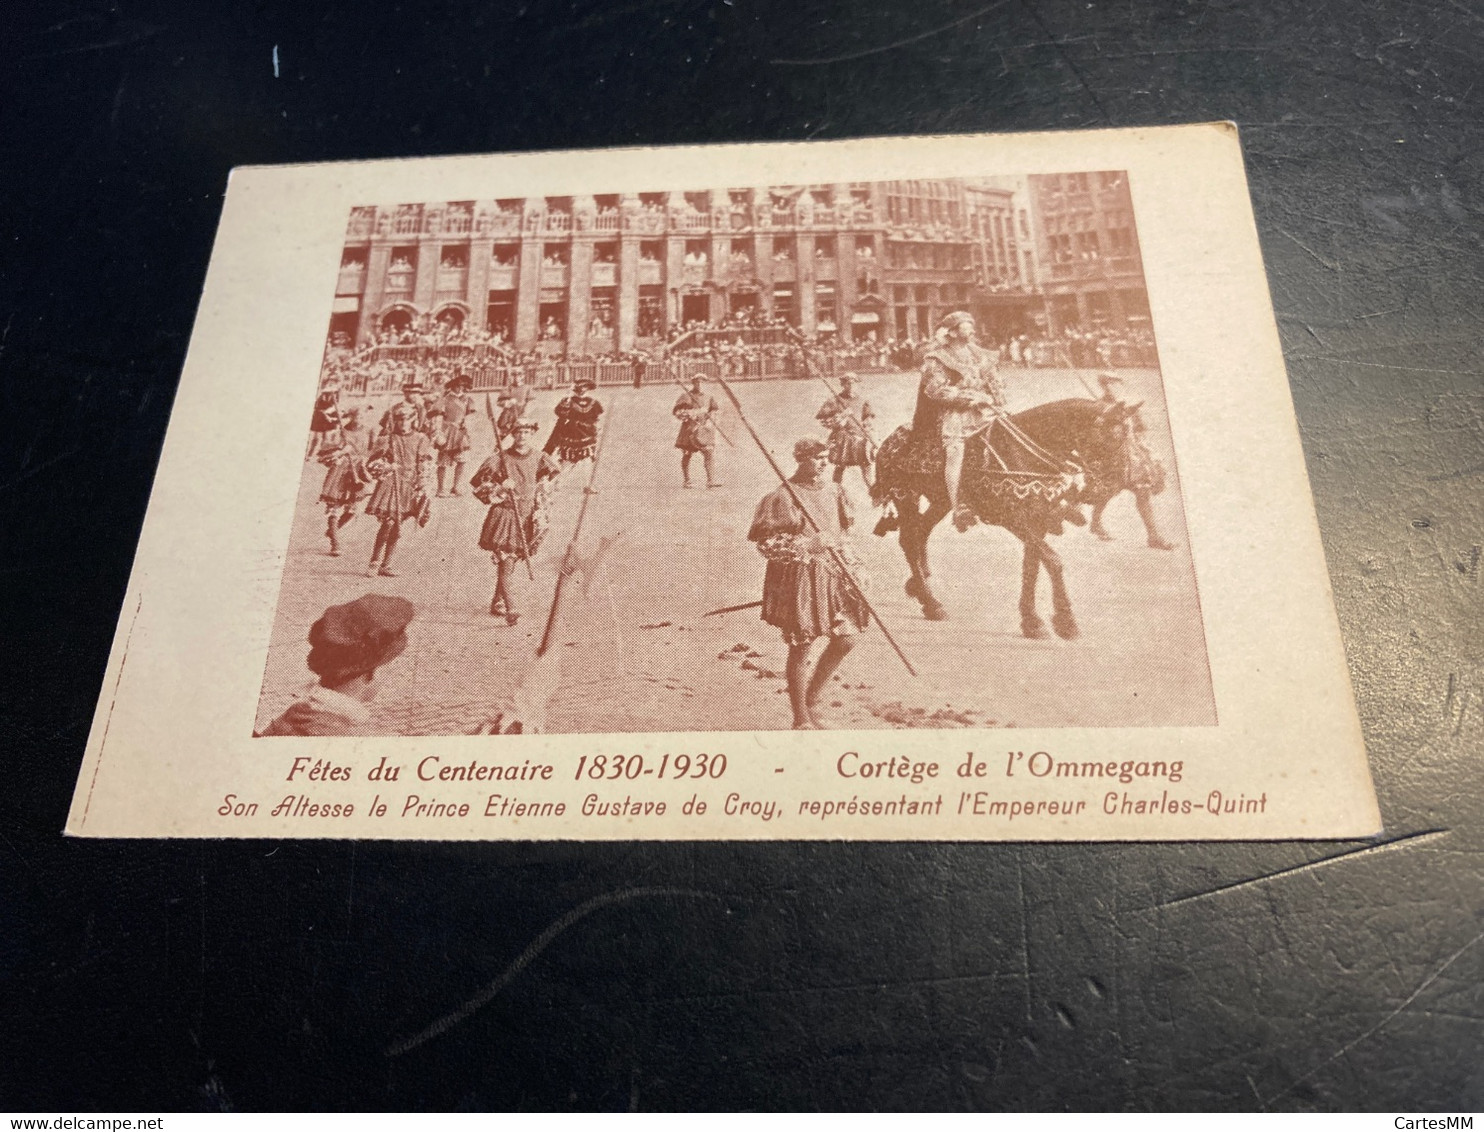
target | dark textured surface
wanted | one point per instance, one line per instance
(1303, 976)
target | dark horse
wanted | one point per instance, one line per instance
(1026, 476)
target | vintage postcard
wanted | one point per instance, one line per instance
(897, 489)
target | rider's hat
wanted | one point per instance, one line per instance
(953, 318)
(525, 424)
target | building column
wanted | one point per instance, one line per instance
(846, 273)
(377, 258)
(579, 293)
(1082, 308)
(719, 271)
(674, 279)
(628, 279)
(528, 293)
(804, 282)
(426, 278)
(477, 292)
(762, 258)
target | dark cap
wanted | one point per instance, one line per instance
(352, 639)
(809, 447)
(584, 384)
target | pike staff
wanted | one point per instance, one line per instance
(810, 521)
(571, 562)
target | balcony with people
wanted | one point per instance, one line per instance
(401, 271)
(555, 262)
(606, 216)
(408, 220)
(352, 279)
(453, 269)
(504, 267)
(557, 220)
(651, 270)
(458, 218)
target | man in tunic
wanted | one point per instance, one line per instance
(412, 401)
(1140, 470)
(346, 477)
(324, 424)
(401, 463)
(512, 409)
(575, 437)
(811, 586)
(512, 482)
(694, 409)
(346, 647)
(959, 396)
(848, 416)
(452, 438)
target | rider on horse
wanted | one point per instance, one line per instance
(959, 396)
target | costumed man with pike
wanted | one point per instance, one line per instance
(575, 436)
(512, 482)
(695, 408)
(848, 416)
(811, 587)
(346, 477)
(451, 438)
(512, 408)
(401, 463)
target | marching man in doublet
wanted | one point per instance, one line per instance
(694, 409)
(452, 438)
(575, 436)
(512, 409)
(401, 462)
(960, 395)
(324, 424)
(1141, 472)
(412, 402)
(512, 482)
(346, 478)
(811, 584)
(848, 416)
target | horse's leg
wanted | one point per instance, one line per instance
(907, 536)
(1062, 618)
(1031, 624)
(1145, 505)
(1097, 527)
(932, 608)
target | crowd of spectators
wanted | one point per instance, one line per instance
(1082, 348)
(746, 336)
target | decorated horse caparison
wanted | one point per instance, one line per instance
(1027, 473)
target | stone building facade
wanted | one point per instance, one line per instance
(1091, 272)
(593, 274)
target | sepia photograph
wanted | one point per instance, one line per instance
(857, 455)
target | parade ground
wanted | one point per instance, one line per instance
(637, 653)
